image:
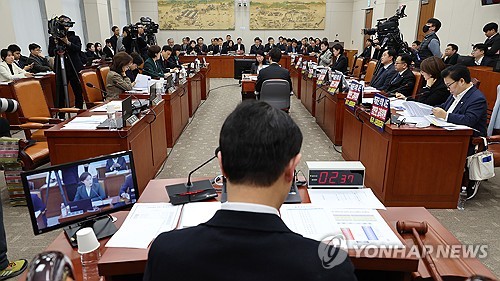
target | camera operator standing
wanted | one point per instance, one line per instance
(63, 42)
(430, 46)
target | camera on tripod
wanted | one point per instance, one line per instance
(56, 27)
(388, 33)
(150, 28)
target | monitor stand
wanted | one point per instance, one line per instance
(102, 226)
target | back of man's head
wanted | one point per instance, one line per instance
(275, 54)
(490, 26)
(257, 142)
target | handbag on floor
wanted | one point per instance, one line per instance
(481, 165)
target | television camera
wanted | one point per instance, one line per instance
(150, 28)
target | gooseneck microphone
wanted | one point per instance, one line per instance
(189, 183)
(88, 84)
(392, 93)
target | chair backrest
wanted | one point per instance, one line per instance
(102, 73)
(358, 67)
(418, 83)
(276, 92)
(91, 95)
(32, 102)
(370, 69)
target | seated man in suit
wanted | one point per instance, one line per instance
(239, 48)
(257, 46)
(478, 52)
(116, 164)
(89, 189)
(492, 41)
(404, 80)
(247, 237)
(40, 63)
(273, 71)
(451, 54)
(127, 189)
(386, 72)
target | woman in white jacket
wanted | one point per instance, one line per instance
(9, 70)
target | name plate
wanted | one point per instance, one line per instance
(334, 85)
(379, 114)
(321, 77)
(299, 63)
(156, 100)
(310, 74)
(132, 120)
(354, 95)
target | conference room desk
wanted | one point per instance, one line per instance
(176, 105)
(308, 93)
(194, 82)
(489, 82)
(146, 139)
(48, 83)
(330, 113)
(129, 264)
(407, 166)
(296, 76)
(205, 81)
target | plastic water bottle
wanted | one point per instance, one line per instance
(462, 198)
(89, 266)
(110, 110)
(64, 211)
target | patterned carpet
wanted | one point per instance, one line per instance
(478, 224)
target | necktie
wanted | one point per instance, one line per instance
(395, 78)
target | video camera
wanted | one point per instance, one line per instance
(150, 28)
(56, 26)
(388, 33)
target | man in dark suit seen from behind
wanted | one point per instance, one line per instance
(386, 72)
(40, 63)
(493, 41)
(273, 71)
(451, 54)
(252, 242)
(404, 79)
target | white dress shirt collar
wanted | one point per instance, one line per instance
(478, 62)
(249, 207)
(388, 65)
(457, 101)
(88, 189)
(401, 72)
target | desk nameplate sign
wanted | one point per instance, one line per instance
(379, 114)
(334, 85)
(354, 95)
(132, 120)
(321, 77)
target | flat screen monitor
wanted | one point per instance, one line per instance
(242, 66)
(75, 194)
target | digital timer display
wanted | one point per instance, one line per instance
(336, 178)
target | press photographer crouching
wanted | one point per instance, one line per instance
(66, 47)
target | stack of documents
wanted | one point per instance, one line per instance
(195, 213)
(84, 123)
(144, 223)
(117, 104)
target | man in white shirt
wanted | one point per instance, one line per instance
(478, 54)
(246, 239)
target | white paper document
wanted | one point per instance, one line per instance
(362, 198)
(443, 124)
(195, 213)
(369, 89)
(80, 126)
(117, 104)
(141, 81)
(144, 223)
(89, 119)
(309, 220)
(417, 109)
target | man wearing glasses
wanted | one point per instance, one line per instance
(40, 63)
(404, 80)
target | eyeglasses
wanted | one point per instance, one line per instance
(449, 85)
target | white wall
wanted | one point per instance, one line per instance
(338, 21)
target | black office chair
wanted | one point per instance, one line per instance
(276, 92)
(50, 266)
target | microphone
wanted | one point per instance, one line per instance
(88, 84)
(192, 191)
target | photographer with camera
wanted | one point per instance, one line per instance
(430, 46)
(67, 45)
(134, 39)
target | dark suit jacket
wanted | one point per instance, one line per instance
(487, 61)
(242, 47)
(96, 193)
(23, 61)
(164, 64)
(114, 41)
(451, 60)
(39, 64)
(340, 64)
(255, 66)
(121, 161)
(215, 49)
(273, 71)
(293, 50)
(493, 45)
(254, 49)
(240, 246)
(73, 51)
(382, 78)
(437, 94)
(203, 49)
(402, 83)
(173, 62)
(268, 47)
(311, 49)
(470, 111)
(108, 52)
(151, 68)
(367, 53)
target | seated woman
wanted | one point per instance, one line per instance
(90, 52)
(151, 68)
(435, 91)
(117, 81)
(325, 57)
(259, 63)
(226, 48)
(192, 48)
(89, 189)
(339, 61)
(173, 60)
(9, 70)
(98, 50)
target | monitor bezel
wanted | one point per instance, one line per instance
(27, 191)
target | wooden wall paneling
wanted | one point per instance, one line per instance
(351, 137)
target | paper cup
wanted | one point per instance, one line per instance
(87, 241)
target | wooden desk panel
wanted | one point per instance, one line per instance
(72, 145)
(296, 76)
(205, 81)
(194, 92)
(308, 93)
(330, 114)
(489, 82)
(401, 163)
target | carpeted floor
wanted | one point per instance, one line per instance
(478, 224)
